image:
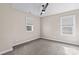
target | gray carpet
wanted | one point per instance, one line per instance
(44, 47)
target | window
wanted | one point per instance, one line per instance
(28, 24)
(29, 28)
(67, 25)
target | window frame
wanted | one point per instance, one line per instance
(73, 26)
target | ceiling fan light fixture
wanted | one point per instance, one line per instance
(43, 11)
(44, 8)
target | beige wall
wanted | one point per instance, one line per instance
(51, 30)
(12, 27)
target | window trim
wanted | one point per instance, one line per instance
(73, 26)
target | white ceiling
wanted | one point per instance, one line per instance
(53, 8)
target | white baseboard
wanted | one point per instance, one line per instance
(54, 39)
(21, 42)
(26, 41)
(5, 51)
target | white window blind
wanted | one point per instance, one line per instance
(67, 25)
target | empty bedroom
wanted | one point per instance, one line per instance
(39, 28)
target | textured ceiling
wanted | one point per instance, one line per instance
(53, 8)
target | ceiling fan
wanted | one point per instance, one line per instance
(44, 8)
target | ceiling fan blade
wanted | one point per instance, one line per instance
(41, 13)
(45, 6)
